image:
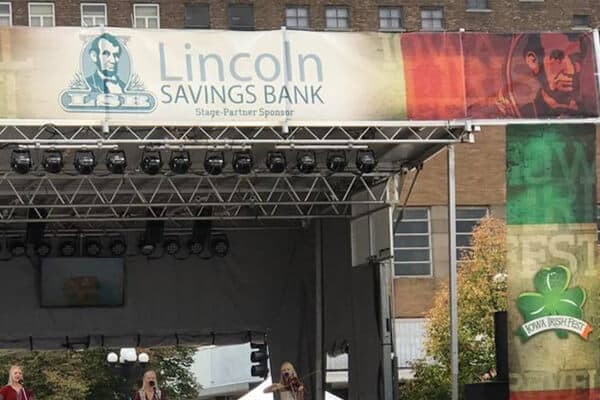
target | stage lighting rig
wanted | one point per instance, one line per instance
(242, 162)
(93, 247)
(276, 161)
(172, 246)
(118, 247)
(214, 163)
(306, 162)
(219, 244)
(84, 161)
(180, 162)
(151, 162)
(67, 248)
(366, 161)
(116, 161)
(43, 249)
(20, 161)
(336, 161)
(52, 161)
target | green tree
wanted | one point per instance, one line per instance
(86, 375)
(481, 292)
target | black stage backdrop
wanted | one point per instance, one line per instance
(265, 284)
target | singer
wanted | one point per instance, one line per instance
(289, 386)
(149, 389)
(15, 390)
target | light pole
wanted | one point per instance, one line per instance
(126, 362)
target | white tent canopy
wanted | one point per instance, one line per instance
(257, 393)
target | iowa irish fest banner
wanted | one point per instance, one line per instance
(203, 77)
(553, 287)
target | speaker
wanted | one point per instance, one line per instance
(487, 391)
(501, 341)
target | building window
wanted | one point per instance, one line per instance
(296, 17)
(93, 14)
(582, 21)
(337, 18)
(41, 14)
(241, 17)
(412, 244)
(410, 340)
(5, 14)
(477, 4)
(390, 18)
(146, 16)
(432, 19)
(196, 16)
(467, 218)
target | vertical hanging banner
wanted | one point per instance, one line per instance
(553, 284)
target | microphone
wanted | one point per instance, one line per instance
(20, 382)
(152, 384)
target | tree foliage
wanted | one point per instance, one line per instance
(481, 292)
(86, 375)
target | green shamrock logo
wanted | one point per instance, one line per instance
(553, 298)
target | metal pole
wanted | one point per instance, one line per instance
(319, 361)
(453, 280)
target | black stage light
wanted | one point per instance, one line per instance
(242, 162)
(366, 161)
(67, 248)
(17, 248)
(43, 249)
(180, 162)
(276, 161)
(84, 161)
(52, 161)
(219, 244)
(172, 246)
(336, 161)
(151, 162)
(116, 161)
(118, 247)
(148, 248)
(306, 162)
(20, 161)
(196, 247)
(214, 163)
(93, 247)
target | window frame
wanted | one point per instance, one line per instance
(203, 5)
(582, 27)
(429, 245)
(431, 9)
(41, 3)
(460, 249)
(94, 16)
(337, 18)
(296, 8)
(241, 27)
(401, 18)
(135, 17)
(10, 18)
(478, 8)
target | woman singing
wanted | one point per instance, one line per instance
(149, 389)
(15, 390)
(289, 386)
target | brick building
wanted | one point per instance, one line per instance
(422, 265)
(355, 15)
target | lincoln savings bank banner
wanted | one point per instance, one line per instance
(553, 287)
(189, 77)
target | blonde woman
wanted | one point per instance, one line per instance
(15, 390)
(289, 386)
(149, 389)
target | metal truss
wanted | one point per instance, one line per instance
(131, 197)
(70, 198)
(52, 135)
